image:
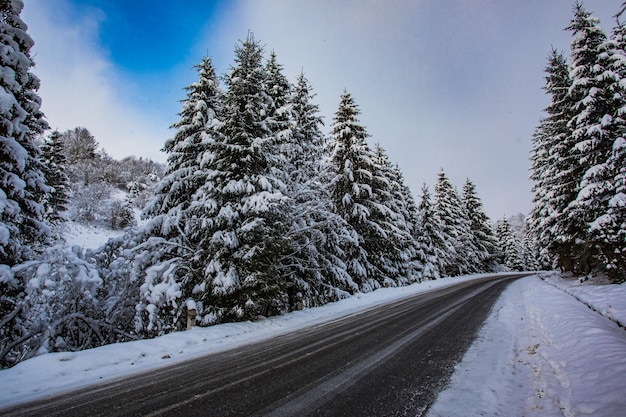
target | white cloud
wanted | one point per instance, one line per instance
(81, 87)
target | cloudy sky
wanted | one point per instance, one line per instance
(452, 84)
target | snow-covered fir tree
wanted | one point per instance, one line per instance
(482, 235)
(360, 192)
(352, 185)
(401, 255)
(430, 238)
(531, 253)
(22, 182)
(280, 111)
(199, 119)
(602, 195)
(171, 252)
(244, 201)
(510, 246)
(308, 151)
(575, 249)
(550, 158)
(318, 238)
(578, 214)
(455, 224)
(55, 163)
(418, 258)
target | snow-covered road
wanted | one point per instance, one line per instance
(541, 352)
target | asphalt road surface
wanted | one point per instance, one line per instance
(390, 360)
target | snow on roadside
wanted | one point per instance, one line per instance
(607, 299)
(54, 373)
(540, 353)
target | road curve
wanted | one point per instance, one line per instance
(389, 360)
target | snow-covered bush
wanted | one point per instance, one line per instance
(57, 309)
(91, 204)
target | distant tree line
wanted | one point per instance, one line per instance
(579, 154)
(257, 212)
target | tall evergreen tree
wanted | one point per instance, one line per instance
(309, 146)
(602, 189)
(455, 227)
(550, 158)
(574, 248)
(317, 238)
(352, 179)
(577, 158)
(401, 257)
(22, 182)
(280, 111)
(244, 200)
(510, 246)
(199, 121)
(418, 260)
(430, 237)
(482, 235)
(53, 157)
(169, 251)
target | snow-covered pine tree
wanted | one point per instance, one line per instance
(418, 254)
(199, 119)
(352, 171)
(574, 248)
(510, 246)
(58, 197)
(170, 250)
(309, 149)
(280, 111)
(602, 197)
(455, 227)
(482, 234)
(22, 182)
(550, 158)
(430, 238)
(318, 237)
(400, 258)
(531, 253)
(244, 202)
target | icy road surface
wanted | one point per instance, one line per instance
(387, 360)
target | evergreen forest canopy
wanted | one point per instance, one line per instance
(256, 213)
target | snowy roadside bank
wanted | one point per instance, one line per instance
(540, 353)
(608, 299)
(55, 373)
